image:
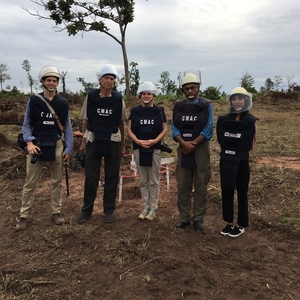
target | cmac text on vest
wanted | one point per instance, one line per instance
(189, 118)
(146, 122)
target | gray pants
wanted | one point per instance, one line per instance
(149, 179)
(192, 184)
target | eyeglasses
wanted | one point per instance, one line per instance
(192, 88)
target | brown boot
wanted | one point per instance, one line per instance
(22, 224)
(58, 219)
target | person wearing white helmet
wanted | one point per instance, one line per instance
(192, 129)
(104, 114)
(147, 126)
(236, 133)
(44, 136)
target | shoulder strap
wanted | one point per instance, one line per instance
(52, 111)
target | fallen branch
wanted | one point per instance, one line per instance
(138, 266)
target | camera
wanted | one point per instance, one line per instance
(79, 158)
(35, 157)
(165, 148)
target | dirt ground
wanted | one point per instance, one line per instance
(134, 259)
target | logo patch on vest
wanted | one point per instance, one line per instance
(230, 152)
(48, 122)
(189, 118)
(233, 135)
(146, 122)
(187, 135)
(104, 112)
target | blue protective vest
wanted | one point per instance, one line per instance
(45, 127)
(42, 119)
(147, 123)
(105, 112)
(235, 139)
(191, 118)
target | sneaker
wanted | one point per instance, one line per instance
(22, 224)
(58, 219)
(82, 217)
(236, 231)
(109, 218)
(143, 214)
(227, 229)
(151, 215)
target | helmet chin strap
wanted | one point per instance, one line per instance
(51, 91)
(147, 101)
(104, 88)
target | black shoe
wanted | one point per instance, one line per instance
(181, 224)
(82, 217)
(109, 218)
(227, 229)
(197, 225)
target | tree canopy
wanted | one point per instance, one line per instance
(84, 16)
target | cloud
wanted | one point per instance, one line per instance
(224, 39)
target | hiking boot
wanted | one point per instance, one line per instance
(82, 217)
(236, 231)
(109, 218)
(227, 229)
(22, 224)
(151, 215)
(143, 214)
(58, 219)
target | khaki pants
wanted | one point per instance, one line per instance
(192, 184)
(33, 173)
(149, 179)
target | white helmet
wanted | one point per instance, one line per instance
(146, 86)
(108, 69)
(243, 94)
(49, 71)
(189, 76)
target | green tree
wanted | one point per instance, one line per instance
(27, 67)
(212, 93)
(168, 86)
(247, 82)
(3, 75)
(134, 78)
(87, 85)
(84, 16)
(269, 84)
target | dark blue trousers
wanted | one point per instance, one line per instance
(92, 176)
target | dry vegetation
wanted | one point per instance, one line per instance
(133, 259)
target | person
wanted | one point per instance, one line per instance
(236, 133)
(43, 135)
(147, 126)
(192, 128)
(104, 114)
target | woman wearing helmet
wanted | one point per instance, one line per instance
(192, 128)
(236, 132)
(44, 137)
(147, 126)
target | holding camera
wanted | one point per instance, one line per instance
(165, 148)
(79, 158)
(35, 157)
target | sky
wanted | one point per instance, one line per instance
(224, 39)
